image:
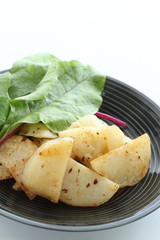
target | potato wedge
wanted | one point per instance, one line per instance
(14, 154)
(38, 130)
(126, 165)
(84, 188)
(44, 171)
(92, 142)
(115, 137)
(88, 121)
(4, 173)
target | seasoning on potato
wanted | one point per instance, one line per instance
(126, 165)
(4, 173)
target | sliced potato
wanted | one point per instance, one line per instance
(38, 130)
(115, 138)
(44, 171)
(89, 142)
(84, 188)
(14, 154)
(94, 121)
(88, 121)
(126, 165)
(4, 173)
(92, 142)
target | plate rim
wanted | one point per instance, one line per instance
(82, 228)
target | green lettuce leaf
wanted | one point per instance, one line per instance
(27, 73)
(67, 92)
(4, 97)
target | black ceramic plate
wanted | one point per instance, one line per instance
(129, 204)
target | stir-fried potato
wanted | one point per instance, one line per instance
(38, 130)
(84, 188)
(92, 142)
(115, 138)
(92, 121)
(83, 166)
(14, 154)
(126, 165)
(44, 171)
(88, 121)
(4, 173)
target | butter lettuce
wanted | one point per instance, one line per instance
(27, 73)
(46, 89)
(4, 97)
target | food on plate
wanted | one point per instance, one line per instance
(4, 173)
(126, 165)
(52, 141)
(88, 121)
(37, 130)
(43, 166)
(92, 142)
(83, 187)
(43, 173)
(14, 154)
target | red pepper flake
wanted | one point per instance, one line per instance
(40, 153)
(97, 133)
(70, 170)
(88, 185)
(78, 170)
(95, 181)
(65, 190)
(42, 166)
(139, 157)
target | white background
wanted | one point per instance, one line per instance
(119, 38)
